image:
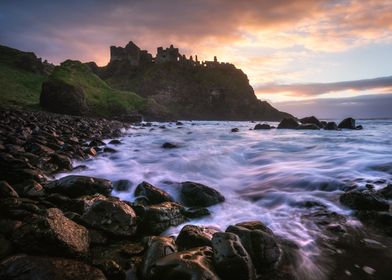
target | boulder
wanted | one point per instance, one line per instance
(348, 123)
(5, 247)
(331, 126)
(191, 264)
(114, 217)
(168, 145)
(308, 126)
(24, 267)
(192, 236)
(60, 97)
(260, 243)
(311, 120)
(288, 123)
(235, 129)
(158, 247)
(63, 162)
(6, 191)
(122, 185)
(159, 217)
(364, 200)
(198, 195)
(386, 192)
(231, 259)
(193, 213)
(262, 126)
(154, 195)
(52, 234)
(76, 186)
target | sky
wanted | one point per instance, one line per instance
(330, 58)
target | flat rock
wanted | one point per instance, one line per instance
(198, 195)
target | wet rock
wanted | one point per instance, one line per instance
(308, 126)
(63, 162)
(7, 226)
(154, 195)
(193, 213)
(91, 152)
(5, 247)
(192, 236)
(114, 217)
(168, 145)
(231, 259)
(192, 264)
(260, 244)
(97, 237)
(198, 195)
(348, 123)
(111, 269)
(158, 247)
(359, 127)
(235, 129)
(311, 120)
(75, 186)
(288, 123)
(379, 220)
(255, 225)
(109, 150)
(6, 191)
(179, 123)
(386, 192)
(52, 234)
(262, 126)
(34, 189)
(364, 200)
(96, 143)
(24, 267)
(122, 185)
(159, 217)
(331, 126)
(115, 142)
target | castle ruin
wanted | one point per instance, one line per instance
(132, 54)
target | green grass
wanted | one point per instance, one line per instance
(101, 98)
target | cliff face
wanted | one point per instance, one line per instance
(181, 88)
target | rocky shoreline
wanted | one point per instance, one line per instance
(72, 228)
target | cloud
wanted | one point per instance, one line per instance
(367, 106)
(315, 89)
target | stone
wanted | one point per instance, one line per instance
(114, 217)
(158, 247)
(260, 244)
(154, 195)
(115, 142)
(159, 217)
(193, 213)
(168, 145)
(24, 267)
(5, 247)
(231, 259)
(63, 162)
(60, 97)
(76, 186)
(331, 126)
(235, 129)
(364, 200)
(288, 123)
(311, 120)
(6, 191)
(198, 195)
(262, 126)
(96, 143)
(109, 150)
(191, 264)
(192, 236)
(386, 192)
(307, 126)
(52, 234)
(122, 185)
(348, 123)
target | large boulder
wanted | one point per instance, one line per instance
(198, 195)
(6, 191)
(288, 123)
(348, 123)
(260, 243)
(76, 186)
(192, 236)
(364, 200)
(60, 97)
(231, 259)
(331, 126)
(311, 120)
(260, 126)
(159, 217)
(158, 247)
(52, 234)
(386, 192)
(308, 126)
(194, 264)
(154, 195)
(112, 216)
(24, 267)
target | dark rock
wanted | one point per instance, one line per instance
(109, 150)
(260, 244)
(97, 237)
(63, 162)
(24, 267)
(75, 186)
(262, 126)
(364, 200)
(359, 127)
(235, 129)
(91, 151)
(386, 192)
(168, 145)
(6, 191)
(192, 236)
(52, 234)
(34, 189)
(154, 195)
(331, 126)
(192, 264)
(122, 185)
(111, 269)
(348, 123)
(115, 142)
(198, 195)
(194, 213)
(114, 217)
(231, 259)
(158, 247)
(60, 97)
(308, 126)
(311, 120)
(157, 218)
(179, 123)
(379, 220)
(7, 226)
(96, 143)
(5, 247)
(288, 123)
(255, 225)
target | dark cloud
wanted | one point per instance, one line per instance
(367, 106)
(315, 89)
